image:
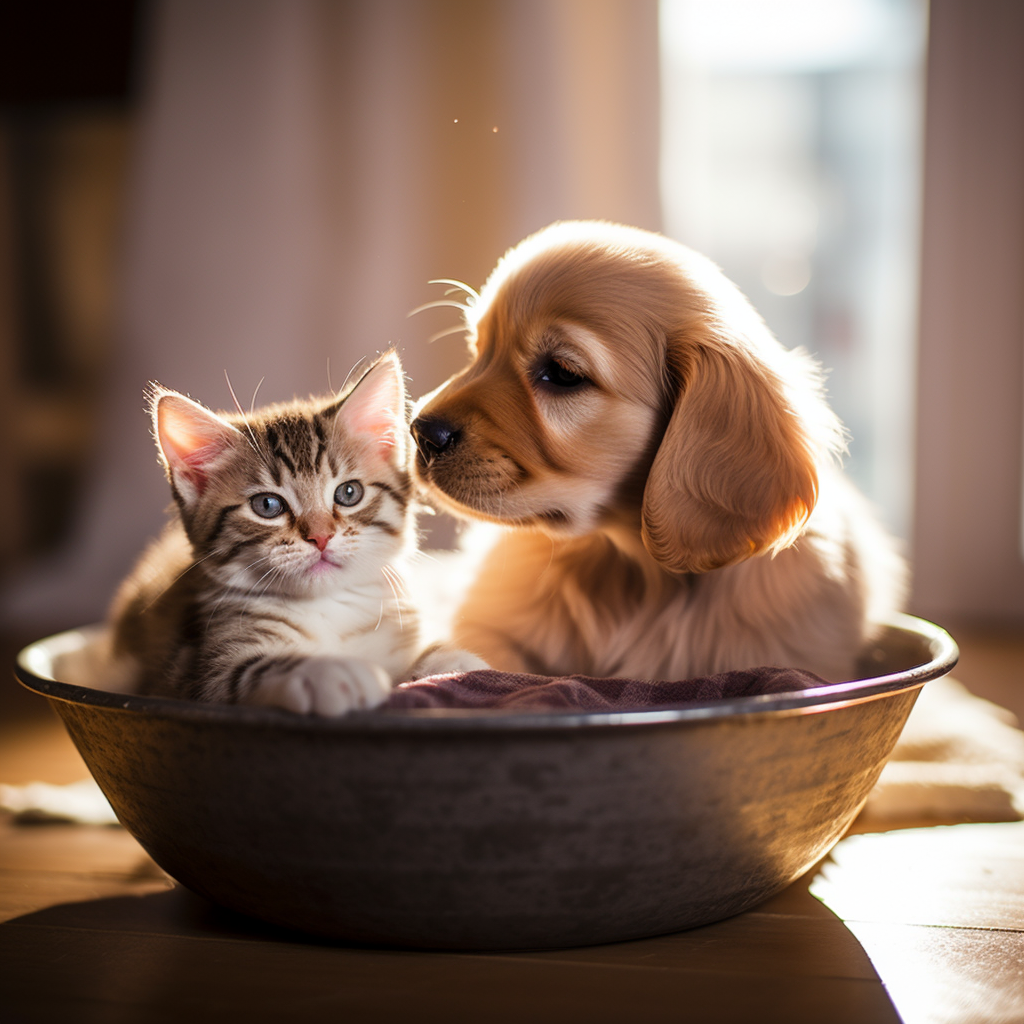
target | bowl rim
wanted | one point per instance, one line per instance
(31, 671)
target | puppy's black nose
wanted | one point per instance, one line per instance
(433, 436)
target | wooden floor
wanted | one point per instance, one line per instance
(923, 924)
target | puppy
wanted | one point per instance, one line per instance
(664, 469)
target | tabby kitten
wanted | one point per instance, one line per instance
(279, 582)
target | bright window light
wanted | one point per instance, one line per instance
(792, 134)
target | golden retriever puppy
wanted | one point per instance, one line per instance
(663, 468)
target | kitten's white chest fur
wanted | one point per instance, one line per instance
(371, 624)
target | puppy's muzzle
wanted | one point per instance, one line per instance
(434, 436)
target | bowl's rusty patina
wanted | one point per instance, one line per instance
(458, 830)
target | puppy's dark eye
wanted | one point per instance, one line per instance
(559, 375)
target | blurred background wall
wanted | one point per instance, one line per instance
(263, 188)
(298, 171)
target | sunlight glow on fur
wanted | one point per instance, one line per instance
(642, 495)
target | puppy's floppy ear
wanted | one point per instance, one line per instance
(736, 471)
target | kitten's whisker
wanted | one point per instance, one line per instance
(270, 572)
(252, 404)
(394, 575)
(253, 594)
(253, 597)
(183, 572)
(398, 602)
(388, 574)
(266, 587)
(241, 412)
(355, 373)
(226, 591)
(234, 397)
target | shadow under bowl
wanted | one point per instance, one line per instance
(490, 830)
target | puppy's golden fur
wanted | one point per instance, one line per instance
(664, 469)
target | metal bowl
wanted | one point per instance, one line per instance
(476, 830)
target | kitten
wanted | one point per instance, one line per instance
(279, 582)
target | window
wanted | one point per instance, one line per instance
(792, 136)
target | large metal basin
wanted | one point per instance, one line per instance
(476, 830)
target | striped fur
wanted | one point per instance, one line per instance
(305, 609)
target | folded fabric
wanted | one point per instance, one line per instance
(492, 690)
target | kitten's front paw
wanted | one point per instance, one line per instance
(323, 686)
(442, 660)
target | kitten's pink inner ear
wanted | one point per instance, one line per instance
(191, 438)
(376, 406)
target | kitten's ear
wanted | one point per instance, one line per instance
(376, 407)
(193, 442)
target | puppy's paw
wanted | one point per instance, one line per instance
(322, 686)
(442, 659)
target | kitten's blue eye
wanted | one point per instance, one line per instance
(267, 506)
(349, 493)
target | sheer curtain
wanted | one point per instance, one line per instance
(303, 169)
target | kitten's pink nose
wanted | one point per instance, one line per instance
(317, 527)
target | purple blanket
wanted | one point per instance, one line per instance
(520, 692)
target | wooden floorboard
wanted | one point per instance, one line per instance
(164, 977)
